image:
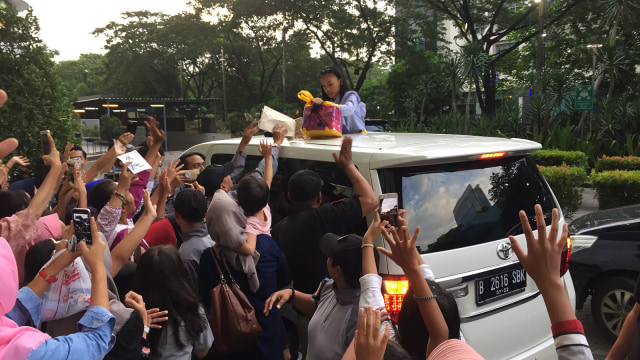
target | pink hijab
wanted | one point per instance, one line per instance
(16, 342)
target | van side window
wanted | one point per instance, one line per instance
(336, 183)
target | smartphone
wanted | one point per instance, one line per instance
(192, 174)
(77, 166)
(132, 126)
(44, 140)
(389, 209)
(82, 224)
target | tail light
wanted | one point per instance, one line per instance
(393, 290)
(564, 258)
(492, 155)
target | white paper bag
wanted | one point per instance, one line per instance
(271, 117)
(70, 294)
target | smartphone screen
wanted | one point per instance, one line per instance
(77, 166)
(44, 140)
(389, 209)
(82, 224)
(132, 126)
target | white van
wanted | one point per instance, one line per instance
(465, 193)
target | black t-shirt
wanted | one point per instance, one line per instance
(299, 234)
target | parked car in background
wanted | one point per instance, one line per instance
(377, 125)
(605, 264)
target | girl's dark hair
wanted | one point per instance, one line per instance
(413, 333)
(394, 351)
(160, 279)
(36, 256)
(100, 194)
(124, 279)
(253, 193)
(13, 201)
(335, 70)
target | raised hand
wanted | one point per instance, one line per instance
(53, 157)
(94, 255)
(542, 259)
(20, 160)
(157, 135)
(375, 228)
(403, 247)
(149, 208)
(265, 148)
(126, 138)
(368, 342)
(119, 148)
(250, 130)
(279, 132)
(126, 177)
(344, 158)
(172, 173)
(67, 150)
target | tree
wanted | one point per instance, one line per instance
(37, 99)
(85, 76)
(489, 22)
(354, 35)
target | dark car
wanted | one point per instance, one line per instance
(377, 125)
(605, 264)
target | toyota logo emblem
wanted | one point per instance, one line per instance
(504, 250)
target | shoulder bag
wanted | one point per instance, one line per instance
(231, 317)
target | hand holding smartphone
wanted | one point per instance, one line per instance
(82, 224)
(44, 140)
(388, 209)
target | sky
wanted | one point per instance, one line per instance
(66, 25)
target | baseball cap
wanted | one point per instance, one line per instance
(304, 185)
(211, 177)
(332, 244)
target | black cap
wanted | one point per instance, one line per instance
(211, 177)
(332, 244)
(304, 185)
(191, 204)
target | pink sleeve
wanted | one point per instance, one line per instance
(137, 187)
(107, 220)
(19, 229)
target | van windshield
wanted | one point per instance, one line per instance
(463, 204)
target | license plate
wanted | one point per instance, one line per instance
(501, 284)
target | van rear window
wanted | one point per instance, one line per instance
(469, 203)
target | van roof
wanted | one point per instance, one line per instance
(395, 149)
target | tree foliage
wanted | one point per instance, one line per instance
(37, 99)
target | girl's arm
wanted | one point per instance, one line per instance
(301, 301)
(41, 199)
(404, 253)
(121, 253)
(249, 246)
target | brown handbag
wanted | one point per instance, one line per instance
(231, 317)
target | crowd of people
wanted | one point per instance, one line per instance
(142, 287)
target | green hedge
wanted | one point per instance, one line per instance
(558, 157)
(617, 163)
(565, 181)
(616, 187)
